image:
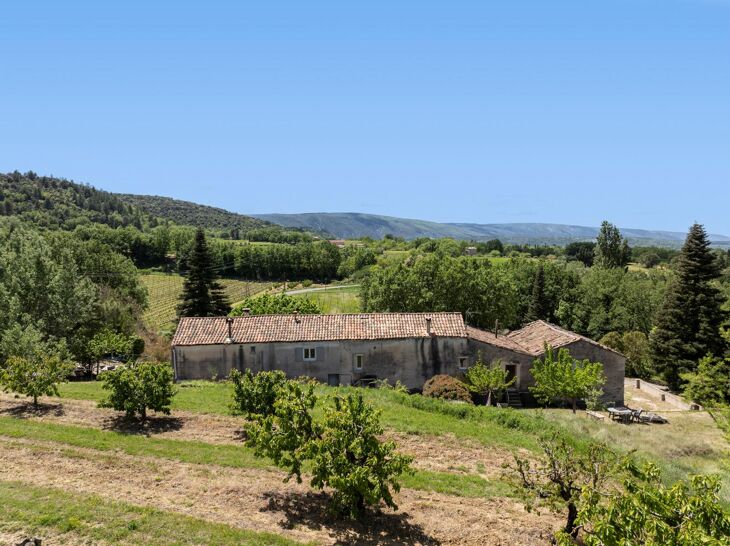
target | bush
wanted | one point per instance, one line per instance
(37, 375)
(307, 283)
(139, 387)
(446, 388)
(344, 449)
(255, 394)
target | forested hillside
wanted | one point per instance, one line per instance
(57, 203)
(193, 214)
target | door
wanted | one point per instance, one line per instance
(511, 374)
(333, 380)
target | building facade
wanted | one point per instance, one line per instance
(351, 349)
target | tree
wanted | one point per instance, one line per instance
(139, 387)
(612, 250)
(581, 251)
(646, 511)
(269, 304)
(539, 308)
(689, 321)
(349, 457)
(36, 375)
(488, 380)
(202, 294)
(344, 449)
(709, 385)
(561, 377)
(635, 347)
(560, 477)
(255, 394)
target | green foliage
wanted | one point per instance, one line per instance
(270, 304)
(488, 380)
(635, 347)
(648, 512)
(36, 374)
(539, 308)
(136, 388)
(446, 387)
(612, 250)
(558, 479)
(344, 448)
(709, 385)
(355, 258)
(348, 457)
(561, 377)
(582, 251)
(691, 316)
(473, 286)
(202, 295)
(255, 394)
(107, 343)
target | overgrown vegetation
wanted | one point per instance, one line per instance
(280, 304)
(446, 387)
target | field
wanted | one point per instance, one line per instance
(345, 299)
(188, 479)
(164, 291)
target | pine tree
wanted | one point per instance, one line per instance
(687, 327)
(612, 250)
(202, 294)
(539, 307)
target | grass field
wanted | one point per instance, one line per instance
(164, 290)
(188, 479)
(344, 299)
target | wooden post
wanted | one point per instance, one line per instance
(664, 397)
(638, 383)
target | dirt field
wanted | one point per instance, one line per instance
(258, 499)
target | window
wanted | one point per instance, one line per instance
(310, 353)
(463, 362)
(253, 350)
(358, 362)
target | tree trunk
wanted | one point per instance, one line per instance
(570, 527)
(575, 404)
(143, 412)
(35, 400)
(489, 398)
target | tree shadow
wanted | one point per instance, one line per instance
(147, 427)
(27, 410)
(312, 511)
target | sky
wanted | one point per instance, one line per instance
(463, 111)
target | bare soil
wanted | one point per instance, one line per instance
(259, 500)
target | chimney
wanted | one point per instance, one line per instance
(428, 325)
(246, 311)
(229, 322)
(296, 316)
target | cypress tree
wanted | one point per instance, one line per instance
(539, 307)
(687, 326)
(202, 294)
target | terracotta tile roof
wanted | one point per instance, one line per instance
(498, 341)
(533, 337)
(291, 328)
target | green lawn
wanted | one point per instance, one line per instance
(338, 299)
(37, 510)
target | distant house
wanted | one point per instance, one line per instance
(470, 251)
(339, 243)
(350, 349)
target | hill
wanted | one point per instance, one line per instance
(57, 203)
(354, 225)
(192, 214)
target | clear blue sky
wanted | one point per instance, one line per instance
(510, 111)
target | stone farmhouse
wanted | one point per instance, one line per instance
(357, 348)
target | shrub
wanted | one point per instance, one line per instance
(138, 388)
(307, 283)
(255, 394)
(344, 449)
(446, 388)
(35, 375)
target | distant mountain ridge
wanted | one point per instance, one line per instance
(350, 225)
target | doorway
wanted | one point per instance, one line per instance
(511, 370)
(333, 380)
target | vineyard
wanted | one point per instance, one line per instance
(164, 291)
